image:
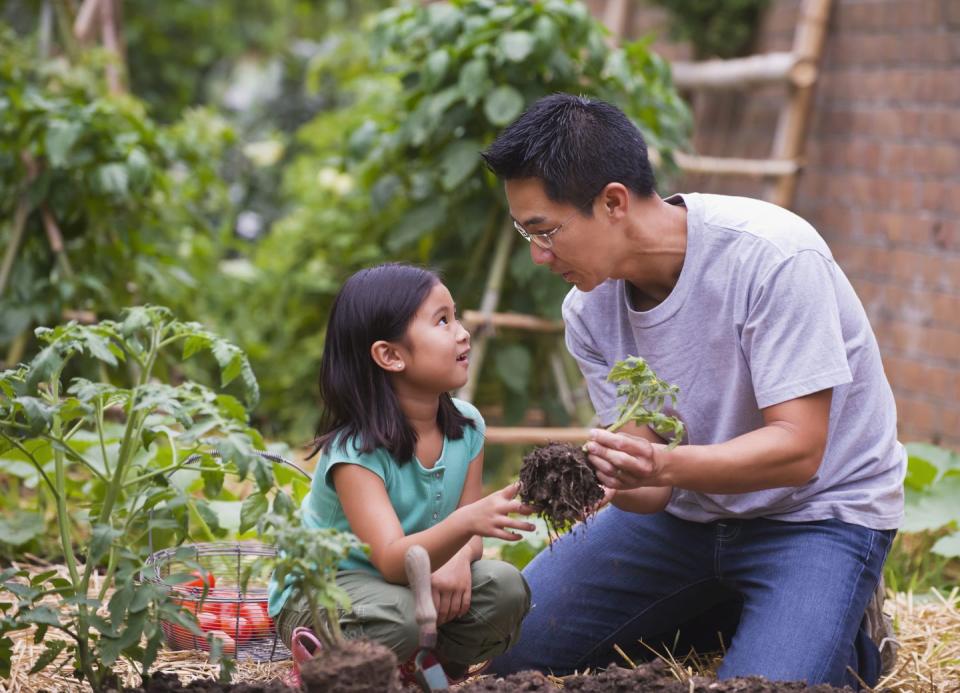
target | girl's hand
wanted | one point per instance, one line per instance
(452, 586)
(490, 516)
(623, 461)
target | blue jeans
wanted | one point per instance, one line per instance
(786, 598)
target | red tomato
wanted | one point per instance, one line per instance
(201, 578)
(238, 628)
(257, 618)
(229, 610)
(209, 621)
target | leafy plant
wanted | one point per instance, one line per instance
(644, 396)
(557, 478)
(307, 560)
(926, 552)
(126, 488)
(715, 29)
(102, 207)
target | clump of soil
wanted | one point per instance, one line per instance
(557, 481)
(358, 666)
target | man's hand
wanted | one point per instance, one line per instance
(624, 461)
(452, 585)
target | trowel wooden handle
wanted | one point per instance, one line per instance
(417, 565)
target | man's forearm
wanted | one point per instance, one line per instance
(770, 457)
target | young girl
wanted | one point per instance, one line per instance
(402, 464)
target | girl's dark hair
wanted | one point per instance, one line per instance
(359, 402)
(576, 146)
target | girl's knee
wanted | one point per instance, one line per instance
(507, 590)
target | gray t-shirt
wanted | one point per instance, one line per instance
(760, 314)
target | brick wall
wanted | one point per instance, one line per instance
(882, 180)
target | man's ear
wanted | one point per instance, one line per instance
(387, 356)
(614, 200)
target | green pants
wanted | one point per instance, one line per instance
(384, 612)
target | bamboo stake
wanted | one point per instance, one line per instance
(491, 297)
(55, 239)
(16, 236)
(792, 126)
(742, 73)
(110, 35)
(85, 22)
(615, 17)
(516, 321)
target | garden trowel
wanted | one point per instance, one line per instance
(430, 675)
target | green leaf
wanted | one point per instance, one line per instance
(212, 482)
(113, 180)
(417, 222)
(99, 347)
(948, 546)
(52, 651)
(102, 539)
(516, 46)
(513, 364)
(934, 508)
(920, 473)
(60, 138)
(474, 81)
(254, 506)
(435, 68)
(21, 527)
(503, 105)
(41, 614)
(193, 344)
(283, 505)
(39, 415)
(460, 159)
(43, 366)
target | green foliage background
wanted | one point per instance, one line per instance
(269, 150)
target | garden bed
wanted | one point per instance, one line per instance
(928, 628)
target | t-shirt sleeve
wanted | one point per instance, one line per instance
(348, 454)
(792, 338)
(593, 366)
(473, 436)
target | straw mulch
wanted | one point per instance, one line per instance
(928, 629)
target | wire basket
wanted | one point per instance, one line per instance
(237, 617)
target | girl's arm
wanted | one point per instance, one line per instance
(372, 518)
(473, 491)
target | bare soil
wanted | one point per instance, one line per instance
(654, 677)
(167, 683)
(557, 480)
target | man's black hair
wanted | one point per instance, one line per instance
(576, 146)
(360, 404)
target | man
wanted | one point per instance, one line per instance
(780, 507)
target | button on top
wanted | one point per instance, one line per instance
(436, 515)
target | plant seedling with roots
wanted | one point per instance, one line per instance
(557, 480)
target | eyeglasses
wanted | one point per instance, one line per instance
(544, 239)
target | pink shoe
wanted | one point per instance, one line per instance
(304, 645)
